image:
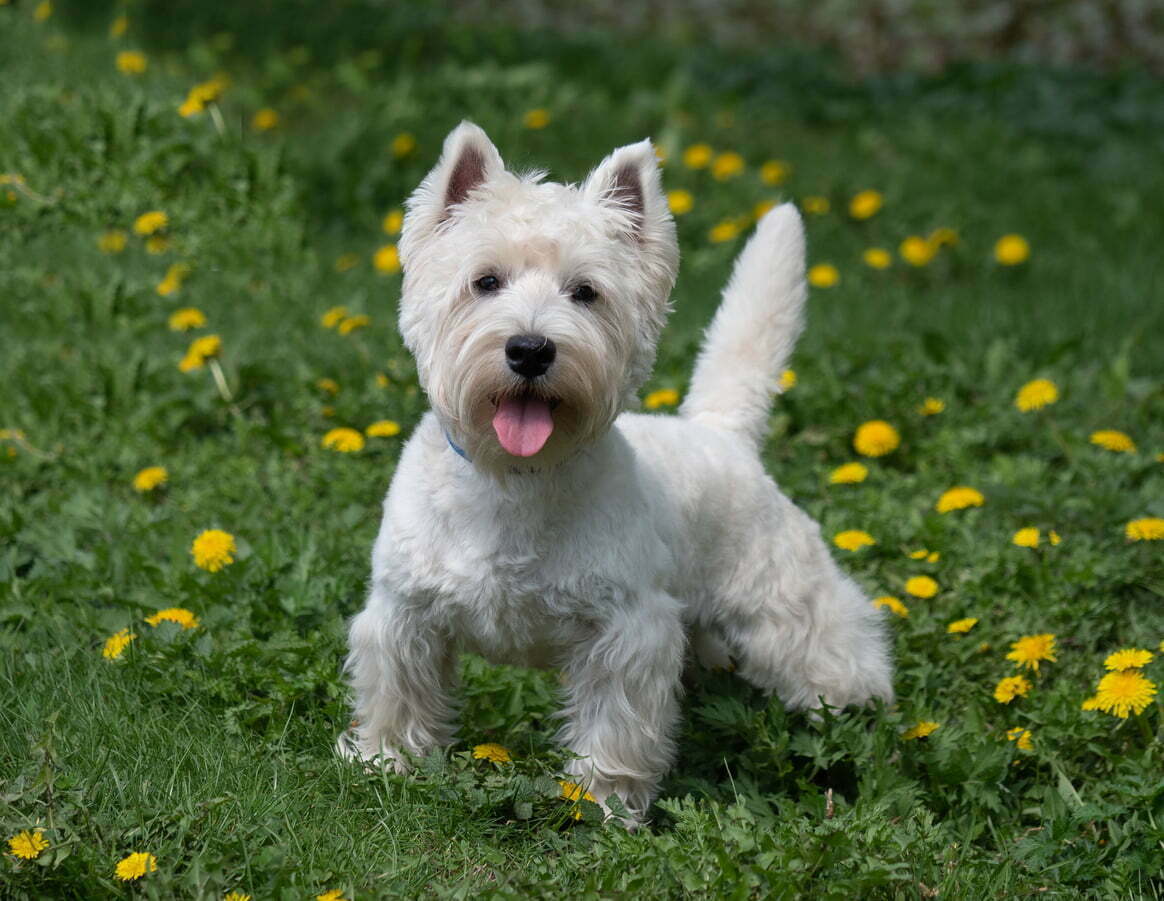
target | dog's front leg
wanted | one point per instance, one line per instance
(401, 668)
(623, 689)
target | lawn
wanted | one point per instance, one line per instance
(205, 739)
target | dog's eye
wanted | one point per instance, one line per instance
(487, 284)
(584, 294)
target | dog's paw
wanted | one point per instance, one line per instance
(349, 746)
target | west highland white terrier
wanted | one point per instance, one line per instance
(532, 521)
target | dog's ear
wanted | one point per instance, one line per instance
(468, 161)
(628, 181)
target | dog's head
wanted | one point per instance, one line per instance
(533, 308)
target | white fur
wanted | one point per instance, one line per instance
(626, 533)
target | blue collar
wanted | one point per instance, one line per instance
(459, 451)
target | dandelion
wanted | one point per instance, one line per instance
(131, 62)
(663, 397)
(1021, 737)
(116, 644)
(236, 896)
(186, 318)
(1112, 440)
(723, 231)
(849, 474)
(157, 244)
(1091, 703)
(877, 258)
(393, 222)
(346, 261)
(727, 165)
(403, 144)
(202, 95)
(916, 251)
(384, 428)
(1124, 692)
(1010, 688)
(119, 26)
(931, 406)
(853, 540)
(351, 323)
(180, 615)
(865, 204)
(112, 241)
(27, 845)
(943, 237)
(919, 554)
(1128, 658)
(775, 172)
(875, 438)
(921, 586)
(150, 223)
(571, 791)
(760, 210)
(344, 440)
(787, 381)
(265, 119)
(1150, 528)
(492, 752)
(334, 894)
(1054, 538)
(150, 478)
(921, 730)
(172, 282)
(680, 201)
(1011, 250)
(892, 604)
(387, 259)
(933, 557)
(201, 349)
(961, 626)
(333, 317)
(697, 156)
(1028, 537)
(1030, 649)
(823, 275)
(213, 549)
(382, 381)
(42, 11)
(815, 205)
(959, 498)
(1036, 394)
(135, 866)
(536, 119)
(329, 386)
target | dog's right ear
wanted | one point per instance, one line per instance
(468, 161)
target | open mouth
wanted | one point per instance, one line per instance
(523, 422)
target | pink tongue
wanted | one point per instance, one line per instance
(523, 425)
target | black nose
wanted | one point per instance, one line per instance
(530, 355)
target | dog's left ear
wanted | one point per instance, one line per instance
(628, 180)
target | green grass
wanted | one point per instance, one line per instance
(210, 748)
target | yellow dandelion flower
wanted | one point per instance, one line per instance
(351, 323)
(727, 165)
(265, 119)
(892, 604)
(921, 586)
(961, 626)
(760, 210)
(680, 201)
(865, 204)
(943, 237)
(919, 554)
(403, 144)
(172, 282)
(815, 205)
(387, 259)
(663, 397)
(150, 223)
(27, 845)
(135, 866)
(916, 251)
(180, 615)
(236, 896)
(823, 275)
(1021, 737)
(726, 230)
(157, 244)
(493, 752)
(775, 172)
(334, 894)
(933, 557)
(186, 318)
(131, 62)
(1112, 440)
(1010, 688)
(697, 156)
(571, 791)
(1028, 537)
(116, 644)
(536, 119)
(1150, 528)
(344, 440)
(1053, 537)
(112, 241)
(921, 730)
(42, 10)
(1128, 658)
(333, 317)
(1030, 649)
(959, 498)
(877, 258)
(150, 478)
(931, 406)
(849, 474)
(346, 261)
(1124, 692)
(875, 438)
(119, 26)
(1011, 250)
(213, 549)
(329, 386)
(200, 350)
(853, 540)
(382, 381)
(787, 381)
(393, 222)
(384, 428)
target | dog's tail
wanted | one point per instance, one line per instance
(754, 330)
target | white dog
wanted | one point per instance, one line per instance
(533, 522)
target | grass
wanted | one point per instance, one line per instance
(210, 747)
